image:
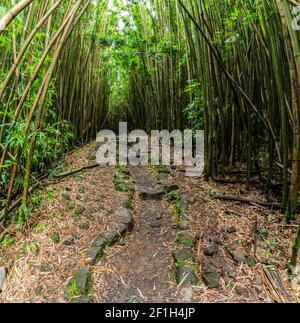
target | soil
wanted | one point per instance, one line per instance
(142, 269)
(247, 246)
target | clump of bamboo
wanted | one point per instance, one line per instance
(248, 65)
(46, 34)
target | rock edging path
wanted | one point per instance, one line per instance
(142, 269)
(151, 262)
(183, 254)
(80, 285)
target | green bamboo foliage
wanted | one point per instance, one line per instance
(36, 105)
(249, 71)
(72, 67)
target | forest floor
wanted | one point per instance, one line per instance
(42, 258)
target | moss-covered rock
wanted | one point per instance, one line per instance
(110, 236)
(150, 193)
(171, 187)
(186, 275)
(183, 255)
(211, 277)
(125, 217)
(184, 239)
(80, 284)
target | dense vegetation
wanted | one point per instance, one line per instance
(69, 68)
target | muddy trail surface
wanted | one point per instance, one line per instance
(144, 263)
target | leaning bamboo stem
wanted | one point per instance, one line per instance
(12, 14)
(45, 85)
(28, 41)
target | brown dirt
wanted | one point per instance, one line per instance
(142, 269)
(34, 248)
(210, 220)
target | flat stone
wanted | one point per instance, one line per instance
(99, 242)
(211, 250)
(82, 277)
(187, 273)
(239, 257)
(120, 228)
(2, 278)
(182, 255)
(231, 230)
(184, 216)
(211, 277)
(110, 236)
(95, 254)
(183, 205)
(242, 290)
(149, 193)
(125, 217)
(155, 225)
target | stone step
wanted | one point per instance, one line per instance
(150, 193)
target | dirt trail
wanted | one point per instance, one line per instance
(144, 264)
(41, 259)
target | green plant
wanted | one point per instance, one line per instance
(7, 242)
(123, 185)
(40, 228)
(174, 196)
(55, 237)
(211, 194)
(73, 290)
(31, 247)
(128, 203)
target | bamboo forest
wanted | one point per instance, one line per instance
(75, 230)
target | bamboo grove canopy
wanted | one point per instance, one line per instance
(69, 68)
